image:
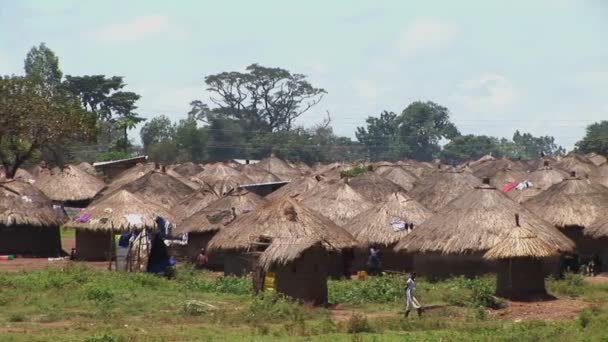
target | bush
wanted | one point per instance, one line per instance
(194, 308)
(114, 155)
(584, 318)
(572, 285)
(476, 292)
(351, 173)
(273, 307)
(16, 317)
(228, 285)
(357, 323)
(98, 294)
(385, 289)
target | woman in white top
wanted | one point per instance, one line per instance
(410, 296)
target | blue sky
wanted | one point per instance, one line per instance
(537, 65)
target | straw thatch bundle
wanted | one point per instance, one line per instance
(505, 176)
(279, 167)
(129, 176)
(437, 190)
(579, 164)
(283, 251)
(373, 187)
(335, 200)
(282, 219)
(188, 169)
(520, 242)
(70, 183)
(160, 188)
(399, 176)
(195, 202)
(296, 187)
(111, 213)
(596, 159)
(572, 202)
(237, 203)
(24, 205)
(476, 222)
(375, 226)
(258, 175)
(88, 168)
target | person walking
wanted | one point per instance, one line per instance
(374, 263)
(410, 296)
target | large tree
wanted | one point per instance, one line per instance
(262, 98)
(158, 130)
(527, 146)
(381, 137)
(42, 68)
(595, 139)
(470, 147)
(30, 120)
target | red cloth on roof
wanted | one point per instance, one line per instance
(509, 187)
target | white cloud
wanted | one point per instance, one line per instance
(595, 79)
(427, 34)
(486, 93)
(367, 89)
(138, 28)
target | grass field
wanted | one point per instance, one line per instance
(81, 304)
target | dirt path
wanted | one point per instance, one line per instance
(550, 310)
(598, 280)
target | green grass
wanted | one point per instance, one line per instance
(81, 304)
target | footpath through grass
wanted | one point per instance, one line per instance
(81, 304)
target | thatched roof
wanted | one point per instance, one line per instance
(284, 251)
(572, 202)
(70, 183)
(160, 188)
(599, 228)
(520, 242)
(112, 213)
(258, 175)
(223, 185)
(199, 223)
(188, 169)
(546, 176)
(21, 174)
(376, 225)
(399, 176)
(189, 181)
(602, 176)
(332, 171)
(419, 170)
(437, 190)
(520, 196)
(218, 171)
(335, 200)
(596, 159)
(282, 219)
(242, 201)
(577, 163)
(475, 222)
(373, 187)
(488, 169)
(23, 204)
(129, 175)
(88, 168)
(505, 176)
(194, 202)
(279, 167)
(296, 187)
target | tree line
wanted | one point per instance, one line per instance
(250, 114)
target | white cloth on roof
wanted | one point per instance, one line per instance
(398, 224)
(134, 219)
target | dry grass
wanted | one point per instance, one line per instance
(284, 251)
(295, 188)
(579, 164)
(279, 167)
(373, 226)
(242, 201)
(188, 169)
(599, 229)
(23, 204)
(398, 175)
(475, 222)
(521, 243)
(373, 187)
(258, 175)
(441, 188)
(160, 188)
(70, 184)
(109, 213)
(596, 159)
(573, 202)
(195, 202)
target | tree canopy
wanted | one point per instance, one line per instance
(595, 139)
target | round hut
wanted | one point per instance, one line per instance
(88, 168)
(279, 168)
(398, 175)
(490, 168)
(232, 205)
(186, 180)
(454, 240)
(258, 175)
(541, 179)
(129, 176)
(602, 175)
(373, 187)
(160, 188)
(572, 205)
(119, 212)
(28, 223)
(596, 159)
(296, 187)
(579, 164)
(519, 256)
(439, 189)
(188, 169)
(384, 225)
(194, 202)
(199, 231)
(298, 242)
(70, 185)
(335, 200)
(506, 176)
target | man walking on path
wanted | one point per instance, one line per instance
(410, 296)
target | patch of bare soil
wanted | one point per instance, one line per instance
(340, 314)
(548, 310)
(598, 280)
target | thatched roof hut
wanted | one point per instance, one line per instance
(373, 187)
(488, 169)
(218, 171)
(189, 181)
(119, 212)
(282, 219)
(519, 256)
(129, 176)
(399, 176)
(475, 223)
(188, 169)
(385, 223)
(238, 202)
(546, 176)
(70, 184)
(335, 200)
(160, 188)
(28, 223)
(197, 223)
(574, 202)
(596, 159)
(506, 176)
(599, 228)
(223, 185)
(437, 190)
(88, 168)
(258, 175)
(579, 164)
(279, 168)
(194, 202)
(420, 170)
(296, 187)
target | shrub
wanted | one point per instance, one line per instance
(271, 307)
(98, 293)
(194, 308)
(385, 289)
(572, 285)
(584, 318)
(476, 292)
(357, 323)
(16, 317)
(228, 285)
(104, 338)
(354, 172)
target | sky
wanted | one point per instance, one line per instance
(540, 66)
